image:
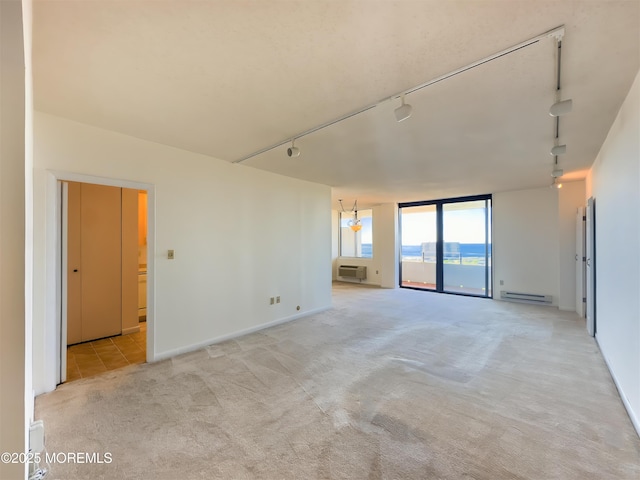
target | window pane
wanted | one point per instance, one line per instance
(419, 236)
(465, 249)
(354, 241)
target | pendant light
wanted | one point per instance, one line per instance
(354, 224)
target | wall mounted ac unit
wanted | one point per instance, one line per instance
(352, 271)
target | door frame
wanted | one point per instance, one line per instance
(581, 260)
(55, 318)
(590, 245)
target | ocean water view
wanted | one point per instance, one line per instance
(462, 252)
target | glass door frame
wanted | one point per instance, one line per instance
(439, 204)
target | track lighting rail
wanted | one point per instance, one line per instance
(557, 33)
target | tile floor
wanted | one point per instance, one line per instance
(91, 358)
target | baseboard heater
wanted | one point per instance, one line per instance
(526, 297)
(352, 271)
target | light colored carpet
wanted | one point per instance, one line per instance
(387, 384)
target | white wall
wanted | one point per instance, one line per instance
(525, 242)
(388, 245)
(382, 269)
(335, 243)
(27, 17)
(13, 399)
(615, 185)
(240, 236)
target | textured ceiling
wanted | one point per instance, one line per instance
(228, 78)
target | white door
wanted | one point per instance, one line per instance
(591, 267)
(580, 262)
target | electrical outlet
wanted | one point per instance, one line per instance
(501, 282)
(272, 301)
(278, 299)
(170, 255)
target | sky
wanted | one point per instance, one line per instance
(464, 226)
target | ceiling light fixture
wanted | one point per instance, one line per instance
(293, 151)
(557, 109)
(403, 111)
(354, 224)
(557, 172)
(561, 108)
(555, 32)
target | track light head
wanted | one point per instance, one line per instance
(403, 111)
(556, 184)
(293, 151)
(558, 172)
(558, 150)
(561, 108)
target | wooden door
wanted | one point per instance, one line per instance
(74, 262)
(101, 245)
(94, 278)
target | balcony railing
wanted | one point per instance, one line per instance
(465, 275)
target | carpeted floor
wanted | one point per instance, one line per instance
(388, 384)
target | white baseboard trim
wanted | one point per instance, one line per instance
(625, 401)
(567, 309)
(230, 336)
(127, 331)
(356, 282)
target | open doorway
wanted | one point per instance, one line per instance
(104, 278)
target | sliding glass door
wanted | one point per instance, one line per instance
(467, 250)
(446, 245)
(419, 240)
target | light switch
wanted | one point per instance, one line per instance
(170, 255)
